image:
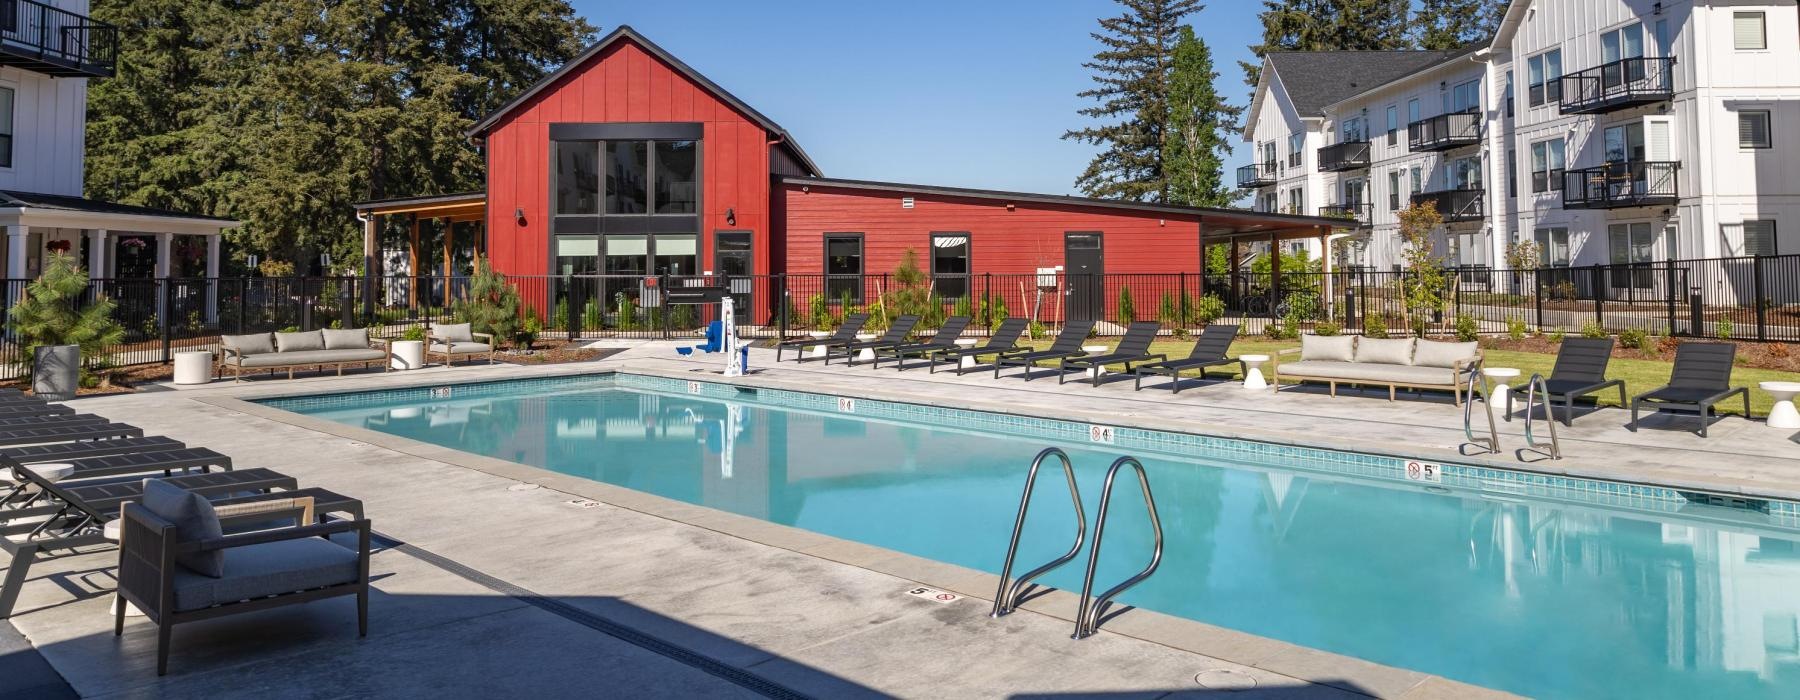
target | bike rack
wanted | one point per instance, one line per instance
(1007, 598)
(1087, 617)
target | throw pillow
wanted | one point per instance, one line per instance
(194, 520)
(1392, 351)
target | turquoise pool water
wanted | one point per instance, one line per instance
(1555, 597)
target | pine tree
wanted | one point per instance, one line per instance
(1199, 127)
(1453, 24)
(1329, 25)
(1131, 73)
(492, 304)
(50, 312)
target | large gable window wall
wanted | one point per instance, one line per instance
(625, 201)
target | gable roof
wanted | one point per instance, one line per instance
(626, 33)
(1318, 79)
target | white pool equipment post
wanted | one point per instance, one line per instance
(734, 356)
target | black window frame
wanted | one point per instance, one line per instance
(1768, 117)
(6, 137)
(1550, 179)
(832, 291)
(966, 277)
(1394, 177)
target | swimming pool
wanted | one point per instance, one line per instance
(1549, 587)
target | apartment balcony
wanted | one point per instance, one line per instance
(1358, 213)
(1455, 205)
(1618, 185)
(1622, 84)
(52, 41)
(1445, 131)
(1257, 175)
(1349, 155)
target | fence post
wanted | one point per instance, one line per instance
(1696, 313)
(243, 303)
(1669, 285)
(1762, 308)
(987, 289)
(168, 306)
(1362, 293)
(662, 302)
(781, 298)
(1349, 308)
(346, 297)
(1599, 275)
(1181, 300)
(575, 308)
(1537, 292)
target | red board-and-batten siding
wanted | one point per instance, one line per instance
(623, 84)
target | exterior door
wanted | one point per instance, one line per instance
(732, 263)
(1084, 265)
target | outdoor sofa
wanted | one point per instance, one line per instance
(320, 348)
(453, 340)
(1394, 363)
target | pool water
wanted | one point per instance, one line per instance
(1548, 599)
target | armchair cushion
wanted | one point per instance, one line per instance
(305, 340)
(266, 569)
(193, 518)
(247, 345)
(346, 339)
(462, 348)
(1433, 353)
(454, 332)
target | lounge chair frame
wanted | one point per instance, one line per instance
(945, 337)
(1005, 338)
(1067, 345)
(1134, 347)
(845, 335)
(1699, 367)
(1580, 370)
(895, 336)
(1209, 351)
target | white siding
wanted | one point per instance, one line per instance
(48, 129)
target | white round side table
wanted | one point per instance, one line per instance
(193, 367)
(408, 354)
(1499, 389)
(1253, 376)
(866, 355)
(818, 351)
(1095, 350)
(967, 360)
(1783, 415)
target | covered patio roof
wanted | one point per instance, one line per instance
(461, 206)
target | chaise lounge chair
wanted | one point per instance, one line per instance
(11, 409)
(944, 338)
(1134, 347)
(157, 462)
(1580, 370)
(1004, 339)
(1067, 345)
(1209, 351)
(59, 451)
(845, 335)
(895, 336)
(1701, 378)
(40, 434)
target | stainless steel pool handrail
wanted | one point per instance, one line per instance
(1087, 617)
(1531, 400)
(1491, 443)
(1007, 598)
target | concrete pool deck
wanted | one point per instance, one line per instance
(515, 580)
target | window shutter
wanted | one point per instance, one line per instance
(1658, 144)
(1747, 31)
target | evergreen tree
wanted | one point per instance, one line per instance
(50, 312)
(1131, 73)
(1329, 25)
(1453, 24)
(1200, 123)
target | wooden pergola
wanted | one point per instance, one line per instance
(1235, 229)
(447, 209)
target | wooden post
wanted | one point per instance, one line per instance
(1325, 284)
(412, 267)
(371, 249)
(449, 254)
(1274, 272)
(1235, 269)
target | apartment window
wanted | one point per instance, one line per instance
(1353, 194)
(1512, 173)
(1418, 180)
(1296, 147)
(1553, 246)
(1465, 173)
(1663, 47)
(1355, 130)
(1753, 129)
(1393, 119)
(1268, 203)
(627, 177)
(1631, 243)
(1394, 190)
(1748, 31)
(1268, 156)
(950, 264)
(1758, 236)
(1297, 201)
(1508, 99)
(577, 175)
(1547, 166)
(6, 127)
(1465, 97)
(677, 190)
(1544, 72)
(844, 265)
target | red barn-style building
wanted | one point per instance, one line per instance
(629, 162)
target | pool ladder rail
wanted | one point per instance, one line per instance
(1091, 610)
(1490, 443)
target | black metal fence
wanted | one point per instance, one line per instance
(1738, 298)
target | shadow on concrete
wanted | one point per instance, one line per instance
(1343, 690)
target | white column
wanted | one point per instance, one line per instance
(96, 262)
(212, 278)
(18, 248)
(164, 250)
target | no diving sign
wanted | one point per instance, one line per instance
(933, 595)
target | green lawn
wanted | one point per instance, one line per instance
(1639, 375)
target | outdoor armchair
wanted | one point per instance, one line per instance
(1701, 378)
(1134, 347)
(845, 335)
(1209, 351)
(1068, 344)
(1005, 338)
(454, 340)
(1580, 370)
(944, 338)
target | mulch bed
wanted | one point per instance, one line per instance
(1775, 356)
(555, 354)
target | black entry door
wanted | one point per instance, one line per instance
(734, 266)
(1085, 266)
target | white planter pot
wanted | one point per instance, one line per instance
(408, 354)
(56, 372)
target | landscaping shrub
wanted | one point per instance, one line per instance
(1375, 326)
(819, 310)
(46, 314)
(413, 333)
(1037, 330)
(1667, 344)
(1169, 311)
(1636, 338)
(627, 312)
(1593, 329)
(530, 327)
(1467, 329)
(492, 304)
(1515, 328)
(1127, 311)
(1210, 308)
(1328, 328)
(1722, 328)
(996, 312)
(1556, 336)
(592, 318)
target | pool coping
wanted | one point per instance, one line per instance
(1268, 654)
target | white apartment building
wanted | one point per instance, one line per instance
(48, 52)
(1608, 131)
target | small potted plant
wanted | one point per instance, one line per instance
(409, 350)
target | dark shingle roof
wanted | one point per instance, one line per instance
(35, 200)
(1316, 79)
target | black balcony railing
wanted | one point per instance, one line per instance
(1455, 205)
(1256, 175)
(1350, 155)
(1618, 85)
(1614, 185)
(1445, 131)
(1358, 212)
(53, 41)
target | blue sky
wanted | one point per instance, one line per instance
(968, 93)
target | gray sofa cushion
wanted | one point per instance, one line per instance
(454, 332)
(347, 339)
(1371, 373)
(295, 342)
(463, 348)
(1394, 351)
(313, 357)
(1340, 348)
(194, 520)
(251, 344)
(1432, 353)
(267, 569)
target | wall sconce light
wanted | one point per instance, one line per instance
(1656, 9)
(730, 216)
(1010, 206)
(519, 215)
(806, 189)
